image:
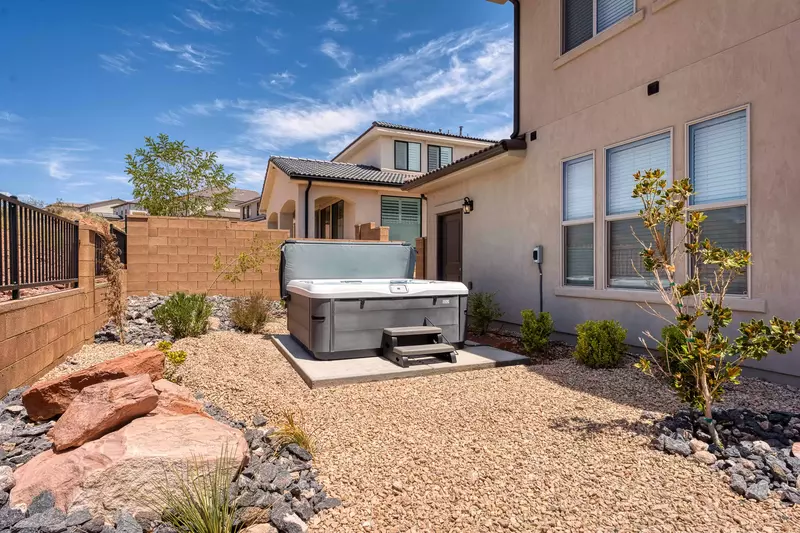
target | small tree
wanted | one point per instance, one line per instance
(169, 179)
(260, 252)
(701, 366)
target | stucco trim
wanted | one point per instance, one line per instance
(752, 305)
(599, 39)
(658, 5)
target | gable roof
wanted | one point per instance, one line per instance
(238, 196)
(399, 127)
(316, 169)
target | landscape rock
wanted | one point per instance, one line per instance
(95, 525)
(260, 528)
(738, 484)
(47, 399)
(704, 457)
(53, 520)
(100, 408)
(79, 517)
(6, 478)
(298, 452)
(174, 399)
(677, 446)
(758, 491)
(698, 445)
(101, 474)
(9, 517)
(796, 449)
(259, 420)
(761, 448)
(42, 502)
(126, 523)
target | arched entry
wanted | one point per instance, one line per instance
(272, 221)
(329, 218)
(286, 219)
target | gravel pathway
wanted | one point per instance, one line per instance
(553, 447)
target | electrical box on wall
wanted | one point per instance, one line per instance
(537, 254)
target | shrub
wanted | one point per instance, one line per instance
(600, 343)
(184, 315)
(673, 345)
(535, 330)
(164, 346)
(483, 310)
(289, 431)
(250, 313)
(196, 498)
(176, 357)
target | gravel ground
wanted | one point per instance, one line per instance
(553, 447)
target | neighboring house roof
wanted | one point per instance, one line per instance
(73, 205)
(239, 195)
(399, 127)
(249, 200)
(331, 171)
(501, 147)
(112, 201)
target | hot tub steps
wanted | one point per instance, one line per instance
(405, 343)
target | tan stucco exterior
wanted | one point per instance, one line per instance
(709, 56)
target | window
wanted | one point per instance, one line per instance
(439, 156)
(577, 220)
(583, 19)
(718, 168)
(329, 221)
(407, 156)
(403, 216)
(246, 212)
(625, 269)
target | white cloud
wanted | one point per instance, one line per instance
(280, 79)
(118, 179)
(118, 62)
(7, 116)
(170, 118)
(245, 166)
(190, 57)
(496, 133)
(340, 55)
(258, 7)
(333, 25)
(404, 35)
(195, 20)
(59, 158)
(348, 9)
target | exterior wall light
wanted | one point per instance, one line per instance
(467, 205)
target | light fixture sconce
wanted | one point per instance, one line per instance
(467, 206)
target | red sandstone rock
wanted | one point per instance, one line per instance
(50, 398)
(121, 470)
(176, 400)
(796, 449)
(101, 408)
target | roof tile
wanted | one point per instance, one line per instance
(350, 172)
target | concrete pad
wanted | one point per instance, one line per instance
(318, 374)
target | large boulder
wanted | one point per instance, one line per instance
(50, 398)
(101, 408)
(126, 468)
(175, 399)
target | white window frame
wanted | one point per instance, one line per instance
(595, 33)
(408, 144)
(606, 218)
(564, 223)
(728, 203)
(440, 146)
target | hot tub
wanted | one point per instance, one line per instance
(342, 297)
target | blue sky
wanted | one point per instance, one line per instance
(83, 82)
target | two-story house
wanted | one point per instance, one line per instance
(704, 89)
(361, 184)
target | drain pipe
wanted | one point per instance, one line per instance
(308, 188)
(517, 24)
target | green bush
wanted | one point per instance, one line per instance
(184, 315)
(483, 310)
(176, 357)
(250, 313)
(600, 343)
(164, 346)
(672, 344)
(535, 330)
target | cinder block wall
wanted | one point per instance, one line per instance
(370, 231)
(168, 254)
(38, 333)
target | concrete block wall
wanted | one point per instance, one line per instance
(169, 254)
(372, 232)
(38, 333)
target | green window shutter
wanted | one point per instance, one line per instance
(403, 216)
(415, 157)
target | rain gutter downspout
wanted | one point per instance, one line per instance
(517, 24)
(308, 188)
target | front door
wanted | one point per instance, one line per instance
(449, 248)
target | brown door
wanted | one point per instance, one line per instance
(449, 252)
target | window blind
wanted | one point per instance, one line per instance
(433, 157)
(415, 157)
(401, 155)
(578, 188)
(718, 159)
(727, 228)
(624, 262)
(578, 22)
(446, 156)
(403, 216)
(622, 162)
(579, 261)
(609, 12)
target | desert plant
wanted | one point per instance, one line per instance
(184, 315)
(290, 431)
(176, 357)
(708, 359)
(250, 313)
(113, 268)
(164, 346)
(535, 330)
(250, 260)
(195, 497)
(483, 310)
(601, 343)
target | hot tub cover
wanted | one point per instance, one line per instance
(345, 260)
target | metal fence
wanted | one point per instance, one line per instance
(99, 250)
(36, 247)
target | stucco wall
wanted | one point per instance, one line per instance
(599, 99)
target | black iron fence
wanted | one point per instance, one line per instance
(36, 247)
(99, 250)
